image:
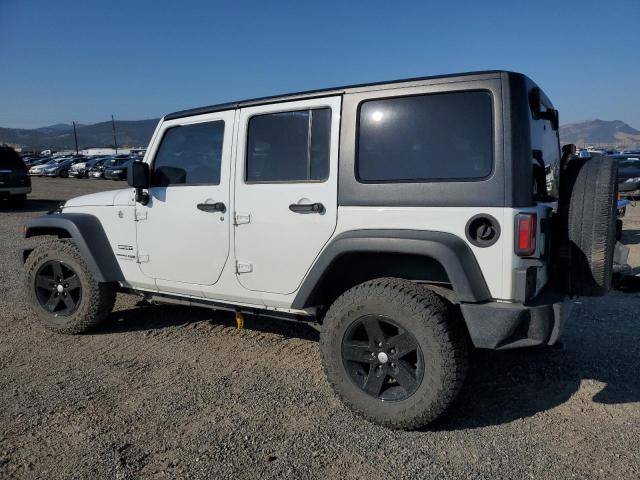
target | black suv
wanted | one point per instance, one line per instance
(15, 183)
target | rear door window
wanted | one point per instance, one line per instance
(426, 138)
(289, 146)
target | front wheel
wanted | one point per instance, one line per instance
(394, 352)
(62, 291)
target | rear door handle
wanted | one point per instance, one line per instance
(212, 207)
(307, 208)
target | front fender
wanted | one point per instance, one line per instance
(87, 233)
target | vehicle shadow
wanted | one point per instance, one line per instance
(501, 386)
(30, 206)
(506, 386)
(150, 317)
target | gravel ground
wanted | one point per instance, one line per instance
(169, 392)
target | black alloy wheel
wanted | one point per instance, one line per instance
(58, 288)
(382, 358)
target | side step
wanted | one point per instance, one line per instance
(163, 298)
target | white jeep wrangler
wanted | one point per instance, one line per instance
(412, 220)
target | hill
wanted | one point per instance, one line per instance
(600, 132)
(135, 133)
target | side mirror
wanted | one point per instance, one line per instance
(138, 178)
(138, 175)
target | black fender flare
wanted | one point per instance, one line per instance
(451, 251)
(88, 234)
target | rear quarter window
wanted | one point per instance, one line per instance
(9, 159)
(545, 144)
(422, 138)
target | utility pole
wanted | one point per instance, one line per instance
(75, 136)
(113, 126)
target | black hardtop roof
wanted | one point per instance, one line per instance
(328, 91)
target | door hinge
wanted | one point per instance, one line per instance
(241, 218)
(142, 259)
(141, 215)
(243, 267)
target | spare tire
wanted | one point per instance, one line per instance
(586, 227)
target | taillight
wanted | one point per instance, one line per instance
(526, 230)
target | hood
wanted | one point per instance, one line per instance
(111, 197)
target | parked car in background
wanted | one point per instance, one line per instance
(97, 171)
(32, 162)
(82, 168)
(116, 168)
(38, 170)
(61, 168)
(628, 175)
(15, 183)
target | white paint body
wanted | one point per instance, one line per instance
(175, 248)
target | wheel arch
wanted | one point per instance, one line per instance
(412, 254)
(87, 233)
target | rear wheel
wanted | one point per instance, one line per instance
(394, 352)
(62, 290)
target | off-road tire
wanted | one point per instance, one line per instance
(436, 326)
(588, 208)
(97, 299)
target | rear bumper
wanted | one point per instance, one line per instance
(501, 326)
(15, 190)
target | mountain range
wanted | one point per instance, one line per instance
(600, 132)
(137, 133)
(129, 133)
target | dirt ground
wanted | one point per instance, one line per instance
(169, 392)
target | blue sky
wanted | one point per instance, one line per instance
(65, 60)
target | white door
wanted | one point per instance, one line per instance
(183, 232)
(286, 190)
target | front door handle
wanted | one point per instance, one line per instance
(212, 207)
(306, 208)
